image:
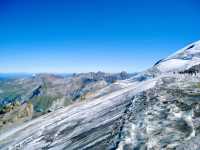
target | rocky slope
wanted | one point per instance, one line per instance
(156, 109)
(15, 114)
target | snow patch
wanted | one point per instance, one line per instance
(182, 59)
(172, 64)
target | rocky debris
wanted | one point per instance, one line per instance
(161, 117)
(15, 114)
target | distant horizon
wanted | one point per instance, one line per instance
(28, 73)
(78, 72)
(87, 36)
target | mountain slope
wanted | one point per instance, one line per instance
(155, 109)
(68, 128)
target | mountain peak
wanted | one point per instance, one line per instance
(190, 49)
(181, 60)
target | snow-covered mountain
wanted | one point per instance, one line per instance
(154, 111)
(181, 60)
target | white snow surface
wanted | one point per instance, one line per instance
(182, 59)
(172, 64)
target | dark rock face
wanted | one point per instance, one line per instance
(36, 92)
(192, 70)
(158, 62)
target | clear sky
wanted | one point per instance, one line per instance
(91, 35)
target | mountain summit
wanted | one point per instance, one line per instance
(182, 60)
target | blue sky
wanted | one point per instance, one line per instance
(91, 35)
